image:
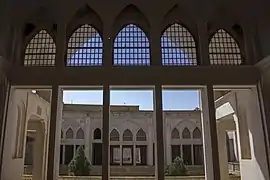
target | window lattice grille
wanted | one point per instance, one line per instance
(131, 47)
(178, 47)
(223, 50)
(84, 47)
(40, 51)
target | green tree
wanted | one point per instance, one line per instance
(79, 165)
(177, 168)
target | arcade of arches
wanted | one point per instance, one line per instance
(217, 48)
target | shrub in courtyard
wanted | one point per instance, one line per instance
(177, 168)
(79, 165)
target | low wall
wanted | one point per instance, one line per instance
(28, 177)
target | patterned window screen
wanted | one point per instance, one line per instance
(40, 51)
(223, 49)
(178, 47)
(84, 47)
(131, 47)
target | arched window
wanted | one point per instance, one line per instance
(186, 134)
(69, 134)
(127, 135)
(131, 47)
(175, 134)
(178, 47)
(40, 51)
(62, 134)
(114, 135)
(85, 47)
(97, 133)
(224, 50)
(197, 133)
(80, 134)
(140, 136)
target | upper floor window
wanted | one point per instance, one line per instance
(224, 50)
(140, 136)
(127, 135)
(69, 134)
(84, 47)
(186, 134)
(97, 133)
(196, 133)
(80, 134)
(114, 135)
(131, 47)
(175, 134)
(178, 47)
(40, 51)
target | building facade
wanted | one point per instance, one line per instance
(132, 136)
(211, 46)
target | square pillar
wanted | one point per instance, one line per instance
(54, 133)
(211, 157)
(222, 152)
(105, 132)
(159, 133)
(61, 44)
(203, 43)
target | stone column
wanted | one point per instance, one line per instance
(134, 155)
(87, 138)
(39, 152)
(54, 133)
(105, 132)
(209, 132)
(159, 133)
(149, 144)
(168, 143)
(222, 151)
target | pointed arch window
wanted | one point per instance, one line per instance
(131, 47)
(114, 135)
(196, 133)
(186, 134)
(127, 135)
(69, 134)
(178, 47)
(80, 134)
(175, 134)
(224, 50)
(97, 133)
(40, 51)
(141, 135)
(85, 47)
